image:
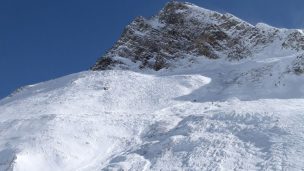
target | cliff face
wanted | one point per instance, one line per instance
(183, 29)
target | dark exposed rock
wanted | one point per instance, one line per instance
(105, 63)
(298, 65)
(295, 40)
(182, 29)
(170, 14)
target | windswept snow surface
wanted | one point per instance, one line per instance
(213, 115)
(245, 112)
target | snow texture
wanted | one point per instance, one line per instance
(199, 114)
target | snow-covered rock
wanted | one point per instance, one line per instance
(182, 29)
(188, 89)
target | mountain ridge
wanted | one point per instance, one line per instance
(182, 29)
(180, 111)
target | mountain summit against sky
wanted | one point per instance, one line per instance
(188, 89)
(183, 29)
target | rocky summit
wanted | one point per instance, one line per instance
(181, 30)
(188, 89)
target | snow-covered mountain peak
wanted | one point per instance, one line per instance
(187, 89)
(183, 29)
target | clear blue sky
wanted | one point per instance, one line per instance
(45, 39)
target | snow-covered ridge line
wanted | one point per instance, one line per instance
(188, 89)
(182, 29)
(180, 119)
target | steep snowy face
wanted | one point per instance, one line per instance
(188, 89)
(183, 29)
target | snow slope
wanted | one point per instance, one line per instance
(118, 119)
(198, 114)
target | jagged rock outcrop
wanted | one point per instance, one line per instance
(183, 29)
(295, 40)
(298, 65)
